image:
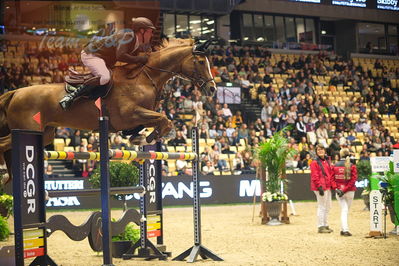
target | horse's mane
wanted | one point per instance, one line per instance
(133, 70)
(173, 43)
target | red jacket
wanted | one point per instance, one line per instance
(317, 178)
(339, 181)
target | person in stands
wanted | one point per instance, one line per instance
(321, 175)
(345, 175)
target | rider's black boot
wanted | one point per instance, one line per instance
(68, 99)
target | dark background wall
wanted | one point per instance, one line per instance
(319, 10)
(345, 37)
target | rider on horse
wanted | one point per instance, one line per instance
(101, 54)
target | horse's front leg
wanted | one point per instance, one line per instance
(149, 118)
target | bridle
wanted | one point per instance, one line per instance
(196, 78)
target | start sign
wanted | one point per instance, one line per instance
(376, 216)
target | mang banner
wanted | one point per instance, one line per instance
(178, 190)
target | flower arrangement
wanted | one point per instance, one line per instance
(273, 155)
(276, 196)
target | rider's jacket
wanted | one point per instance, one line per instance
(108, 48)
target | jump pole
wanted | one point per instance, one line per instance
(150, 178)
(105, 191)
(198, 249)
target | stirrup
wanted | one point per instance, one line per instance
(66, 101)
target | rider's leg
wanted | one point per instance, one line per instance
(97, 67)
(68, 99)
(102, 76)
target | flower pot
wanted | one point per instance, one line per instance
(3, 211)
(120, 247)
(274, 210)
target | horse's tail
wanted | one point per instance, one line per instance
(5, 132)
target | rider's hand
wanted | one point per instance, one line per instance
(142, 59)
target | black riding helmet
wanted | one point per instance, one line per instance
(142, 23)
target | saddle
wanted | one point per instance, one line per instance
(75, 79)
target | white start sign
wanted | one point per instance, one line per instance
(375, 211)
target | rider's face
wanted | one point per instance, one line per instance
(147, 35)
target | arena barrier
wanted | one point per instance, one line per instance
(27, 164)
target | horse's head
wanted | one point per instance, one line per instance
(196, 67)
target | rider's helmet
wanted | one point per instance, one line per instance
(142, 23)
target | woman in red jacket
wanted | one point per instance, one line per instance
(345, 175)
(321, 178)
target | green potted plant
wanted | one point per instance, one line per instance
(121, 175)
(4, 228)
(391, 179)
(122, 242)
(364, 173)
(6, 205)
(273, 154)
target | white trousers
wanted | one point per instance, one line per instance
(97, 67)
(345, 202)
(323, 207)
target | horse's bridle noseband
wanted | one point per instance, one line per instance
(195, 78)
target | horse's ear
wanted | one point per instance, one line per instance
(164, 42)
(201, 48)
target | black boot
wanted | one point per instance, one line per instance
(85, 88)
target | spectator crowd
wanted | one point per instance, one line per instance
(293, 91)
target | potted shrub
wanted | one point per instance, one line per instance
(273, 154)
(391, 179)
(123, 242)
(4, 228)
(364, 173)
(121, 175)
(6, 205)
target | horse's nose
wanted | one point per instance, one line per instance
(212, 89)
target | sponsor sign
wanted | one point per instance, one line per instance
(28, 234)
(388, 4)
(29, 174)
(307, 1)
(36, 252)
(354, 3)
(29, 209)
(33, 243)
(154, 226)
(380, 164)
(178, 190)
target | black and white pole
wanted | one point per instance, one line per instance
(146, 249)
(198, 249)
(143, 211)
(105, 191)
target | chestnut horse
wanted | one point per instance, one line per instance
(131, 102)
